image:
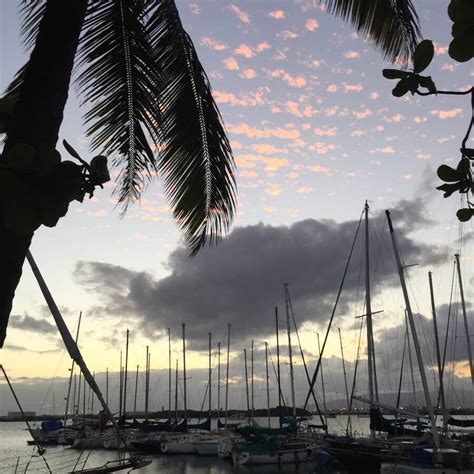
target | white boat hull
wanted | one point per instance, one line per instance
(178, 444)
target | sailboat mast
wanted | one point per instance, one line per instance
(278, 364)
(438, 352)
(247, 385)
(125, 377)
(120, 387)
(268, 380)
(290, 352)
(136, 392)
(251, 379)
(147, 375)
(210, 378)
(349, 424)
(185, 403)
(72, 372)
(218, 380)
(107, 385)
(466, 328)
(322, 377)
(169, 374)
(370, 336)
(413, 333)
(227, 375)
(176, 394)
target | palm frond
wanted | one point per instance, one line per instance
(196, 161)
(31, 13)
(391, 24)
(120, 78)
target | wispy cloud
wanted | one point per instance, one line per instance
(244, 17)
(277, 14)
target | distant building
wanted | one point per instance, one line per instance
(17, 414)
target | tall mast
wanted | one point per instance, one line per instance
(125, 377)
(107, 385)
(218, 380)
(413, 333)
(120, 387)
(72, 372)
(268, 388)
(278, 365)
(74, 412)
(147, 380)
(349, 424)
(466, 328)
(290, 352)
(185, 403)
(247, 385)
(370, 336)
(410, 361)
(136, 391)
(78, 407)
(169, 375)
(227, 375)
(176, 394)
(322, 377)
(210, 378)
(438, 352)
(251, 379)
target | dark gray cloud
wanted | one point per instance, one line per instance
(240, 281)
(28, 323)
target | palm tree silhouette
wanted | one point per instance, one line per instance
(151, 105)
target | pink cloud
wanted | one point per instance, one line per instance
(362, 114)
(407, 177)
(352, 87)
(351, 54)
(262, 46)
(241, 15)
(385, 149)
(299, 110)
(248, 74)
(322, 148)
(252, 132)
(311, 24)
(374, 95)
(293, 81)
(446, 114)
(423, 156)
(251, 99)
(326, 132)
(446, 139)
(420, 119)
(277, 14)
(319, 169)
(213, 44)
(286, 35)
(305, 190)
(248, 174)
(231, 64)
(358, 133)
(331, 88)
(440, 49)
(236, 145)
(194, 7)
(244, 50)
(267, 149)
(274, 190)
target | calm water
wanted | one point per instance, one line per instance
(14, 437)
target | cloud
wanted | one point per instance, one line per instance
(351, 54)
(385, 149)
(231, 64)
(311, 24)
(251, 99)
(322, 148)
(352, 87)
(250, 160)
(240, 14)
(28, 323)
(447, 114)
(331, 88)
(213, 44)
(277, 14)
(305, 190)
(252, 132)
(362, 114)
(319, 169)
(248, 73)
(286, 35)
(245, 51)
(293, 81)
(268, 149)
(263, 46)
(240, 281)
(325, 132)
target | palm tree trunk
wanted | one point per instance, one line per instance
(36, 120)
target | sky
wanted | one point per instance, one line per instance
(315, 132)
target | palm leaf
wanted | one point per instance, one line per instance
(31, 13)
(119, 77)
(391, 24)
(196, 160)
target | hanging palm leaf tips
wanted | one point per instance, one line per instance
(150, 109)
